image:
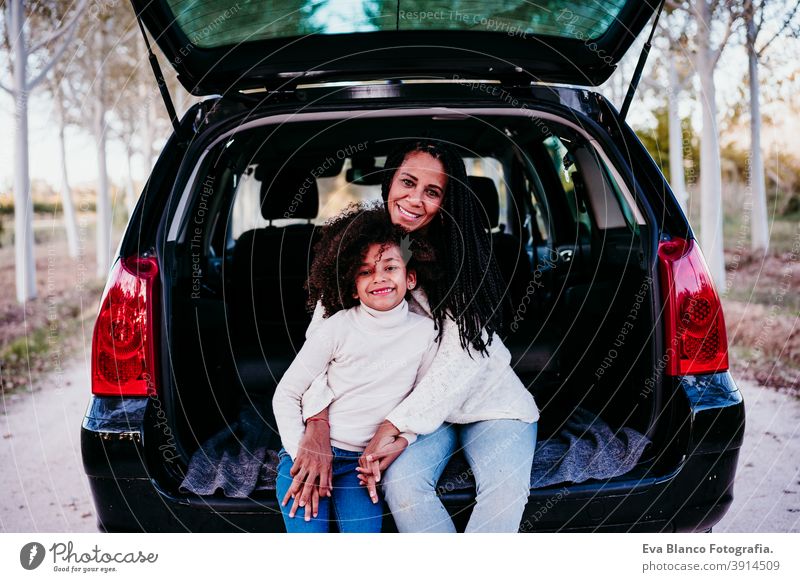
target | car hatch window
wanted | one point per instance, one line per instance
(216, 23)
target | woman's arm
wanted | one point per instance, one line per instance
(442, 389)
(314, 450)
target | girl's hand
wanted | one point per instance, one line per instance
(312, 470)
(381, 452)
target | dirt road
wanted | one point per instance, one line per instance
(44, 488)
(42, 480)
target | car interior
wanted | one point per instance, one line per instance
(566, 236)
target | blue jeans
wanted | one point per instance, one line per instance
(500, 455)
(350, 502)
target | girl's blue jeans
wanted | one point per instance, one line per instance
(500, 455)
(349, 503)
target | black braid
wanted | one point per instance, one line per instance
(464, 281)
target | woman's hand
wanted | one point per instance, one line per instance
(381, 452)
(311, 471)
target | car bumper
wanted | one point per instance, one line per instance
(692, 497)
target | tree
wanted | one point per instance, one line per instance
(104, 70)
(705, 54)
(137, 118)
(50, 47)
(658, 142)
(674, 30)
(56, 91)
(753, 15)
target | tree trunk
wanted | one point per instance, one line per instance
(759, 240)
(147, 129)
(130, 189)
(99, 130)
(70, 223)
(676, 171)
(25, 264)
(710, 166)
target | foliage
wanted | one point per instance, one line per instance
(656, 140)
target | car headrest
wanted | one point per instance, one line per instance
(291, 194)
(488, 199)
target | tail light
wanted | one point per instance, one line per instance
(123, 345)
(696, 342)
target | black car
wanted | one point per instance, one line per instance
(610, 306)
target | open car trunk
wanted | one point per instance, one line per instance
(580, 317)
(218, 48)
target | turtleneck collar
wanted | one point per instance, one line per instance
(384, 319)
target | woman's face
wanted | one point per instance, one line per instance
(417, 191)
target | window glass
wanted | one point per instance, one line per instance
(335, 193)
(571, 180)
(215, 23)
(491, 168)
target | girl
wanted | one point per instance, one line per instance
(372, 349)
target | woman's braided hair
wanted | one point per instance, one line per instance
(341, 250)
(465, 281)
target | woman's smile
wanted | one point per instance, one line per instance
(408, 214)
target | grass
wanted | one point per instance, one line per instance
(45, 347)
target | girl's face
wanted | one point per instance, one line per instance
(417, 191)
(382, 279)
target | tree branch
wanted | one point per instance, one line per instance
(65, 42)
(760, 16)
(7, 89)
(59, 32)
(31, 85)
(784, 26)
(715, 55)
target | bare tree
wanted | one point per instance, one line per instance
(709, 16)
(104, 65)
(52, 43)
(56, 90)
(137, 119)
(673, 28)
(753, 15)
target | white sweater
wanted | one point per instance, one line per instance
(372, 360)
(457, 388)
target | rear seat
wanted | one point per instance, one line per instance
(508, 250)
(270, 266)
(529, 359)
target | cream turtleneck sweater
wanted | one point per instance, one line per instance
(372, 360)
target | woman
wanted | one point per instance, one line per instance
(470, 399)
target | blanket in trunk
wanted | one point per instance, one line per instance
(238, 460)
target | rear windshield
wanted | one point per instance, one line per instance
(215, 23)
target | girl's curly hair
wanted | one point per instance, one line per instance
(341, 250)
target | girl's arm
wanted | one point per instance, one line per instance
(319, 396)
(311, 361)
